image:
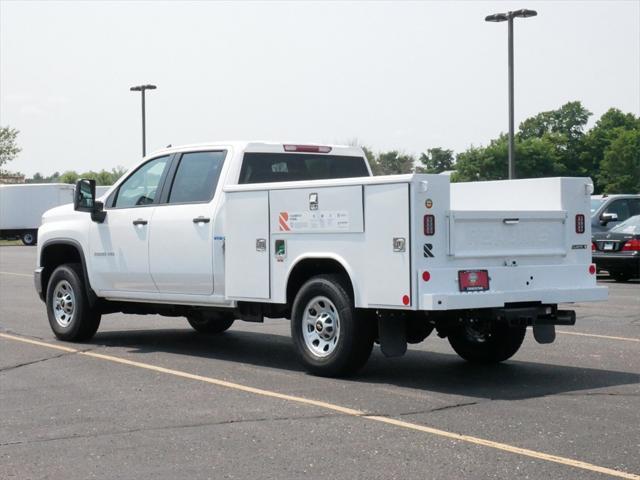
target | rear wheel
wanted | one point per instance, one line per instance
(210, 323)
(70, 316)
(331, 337)
(29, 238)
(482, 341)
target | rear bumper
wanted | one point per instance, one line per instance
(492, 299)
(37, 281)
(618, 262)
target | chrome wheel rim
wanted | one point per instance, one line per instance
(64, 303)
(321, 326)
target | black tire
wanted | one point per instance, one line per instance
(83, 321)
(210, 323)
(620, 276)
(351, 347)
(29, 238)
(497, 343)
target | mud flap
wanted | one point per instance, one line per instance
(544, 333)
(392, 335)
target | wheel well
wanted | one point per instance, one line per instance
(310, 267)
(52, 256)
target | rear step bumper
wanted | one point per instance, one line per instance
(535, 316)
(493, 299)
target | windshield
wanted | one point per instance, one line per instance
(630, 225)
(595, 204)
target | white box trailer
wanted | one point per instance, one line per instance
(22, 206)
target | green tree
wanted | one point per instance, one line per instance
(597, 140)
(70, 176)
(570, 120)
(436, 160)
(392, 163)
(535, 157)
(620, 168)
(8, 146)
(564, 128)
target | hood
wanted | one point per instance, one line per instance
(56, 213)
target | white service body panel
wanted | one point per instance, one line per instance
(375, 229)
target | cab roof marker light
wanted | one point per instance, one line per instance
(307, 148)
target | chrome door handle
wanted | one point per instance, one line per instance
(140, 221)
(201, 220)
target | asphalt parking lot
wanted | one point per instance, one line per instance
(150, 398)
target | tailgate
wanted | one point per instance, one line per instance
(487, 233)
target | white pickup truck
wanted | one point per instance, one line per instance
(226, 231)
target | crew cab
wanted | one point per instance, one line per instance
(248, 230)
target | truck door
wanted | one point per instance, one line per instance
(181, 234)
(118, 247)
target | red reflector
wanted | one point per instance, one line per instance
(429, 225)
(579, 223)
(406, 300)
(426, 276)
(473, 280)
(632, 245)
(307, 148)
(592, 269)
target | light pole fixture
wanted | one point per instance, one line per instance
(508, 17)
(142, 89)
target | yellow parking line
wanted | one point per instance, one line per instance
(608, 337)
(17, 274)
(337, 408)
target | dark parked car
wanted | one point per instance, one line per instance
(618, 250)
(607, 211)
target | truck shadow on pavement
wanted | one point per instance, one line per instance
(422, 370)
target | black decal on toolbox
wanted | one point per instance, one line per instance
(428, 250)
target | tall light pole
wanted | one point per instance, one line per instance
(141, 89)
(508, 17)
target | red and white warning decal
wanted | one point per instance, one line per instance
(283, 222)
(320, 221)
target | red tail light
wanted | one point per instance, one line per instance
(429, 225)
(632, 245)
(579, 223)
(307, 148)
(592, 269)
(594, 247)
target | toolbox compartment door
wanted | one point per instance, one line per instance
(247, 245)
(388, 268)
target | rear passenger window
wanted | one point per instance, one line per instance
(288, 167)
(196, 177)
(634, 206)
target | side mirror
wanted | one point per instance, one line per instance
(84, 200)
(608, 217)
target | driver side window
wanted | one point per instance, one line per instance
(142, 187)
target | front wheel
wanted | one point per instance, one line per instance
(330, 336)
(485, 341)
(70, 316)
